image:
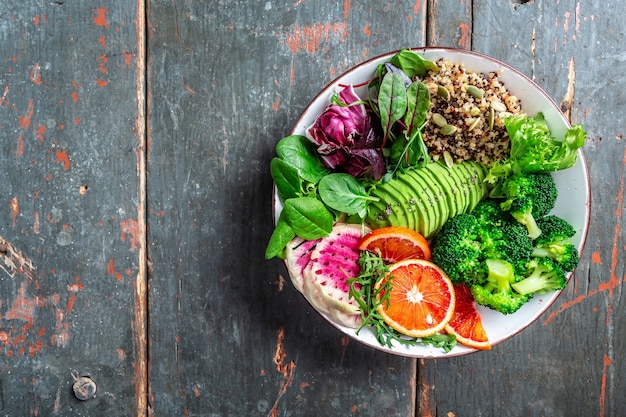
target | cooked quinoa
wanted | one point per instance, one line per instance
(466, 113)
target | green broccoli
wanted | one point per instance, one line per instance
(500, 235)
(528, 197)
(489, 251)
(458, 252)
(489, 212)
(543, 275)
(553, 242)
(515, 244)
(468, 240)
(498, 293)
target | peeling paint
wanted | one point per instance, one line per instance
(101, 17)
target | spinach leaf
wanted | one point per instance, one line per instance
(299, 152)
(392, 102)
(281, 236)
(308, 217)
(286, 178)
(413, 64)
(344, 193)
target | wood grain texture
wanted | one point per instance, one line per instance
(137, 146)
(567, 363)
(68, 206)
(228, 334)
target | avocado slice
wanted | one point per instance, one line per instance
(474, 182)
(377, 215)
(449, 182)
(440, 197)
(397, 191)
(416, 192)
(393, 206)
(427, 198)
(413, 203)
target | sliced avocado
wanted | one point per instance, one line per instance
(474, 185)
(473, 176)
(396, 189)
(440, 198)
(393, 206)
(443, 174)
(464, 188)
(412, 200)
(417, 201)
(428, 199)
(377, 215)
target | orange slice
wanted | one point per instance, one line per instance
(466, 323)
(421, 299)
(396, 243)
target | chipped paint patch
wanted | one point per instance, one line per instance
(63, 159)
(310, 38)
(101, 17)
(20, 331)
(130, 230)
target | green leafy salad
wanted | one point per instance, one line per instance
(365, 161)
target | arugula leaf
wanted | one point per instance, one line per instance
(362, 289)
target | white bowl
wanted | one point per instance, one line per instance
(573, 203)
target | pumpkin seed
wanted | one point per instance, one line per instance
(498, 106)
(474, 111)
(443, 92)
(473, 124)
(475, 92)
(492, 117)
(447, 158)
(439, 120)
(448, 130)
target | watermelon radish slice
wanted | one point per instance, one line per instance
(333, 261)
(298, 255)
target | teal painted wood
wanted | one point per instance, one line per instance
(229, 335)
(68, 206)
(567, 362)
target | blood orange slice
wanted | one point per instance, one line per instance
(466, 323)
(395, 244)
(419, 299)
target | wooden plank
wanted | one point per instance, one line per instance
(69, 237)
(567, 362)
(229, 335)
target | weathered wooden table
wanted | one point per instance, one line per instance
(135, 208)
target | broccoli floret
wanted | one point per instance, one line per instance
(528, 197)
(554, 229)
(500, 235)
(566, 254)
(457, 251)
(553, 242)
(543, 275)
(498, 293)
(515, 244)
(489, 212)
